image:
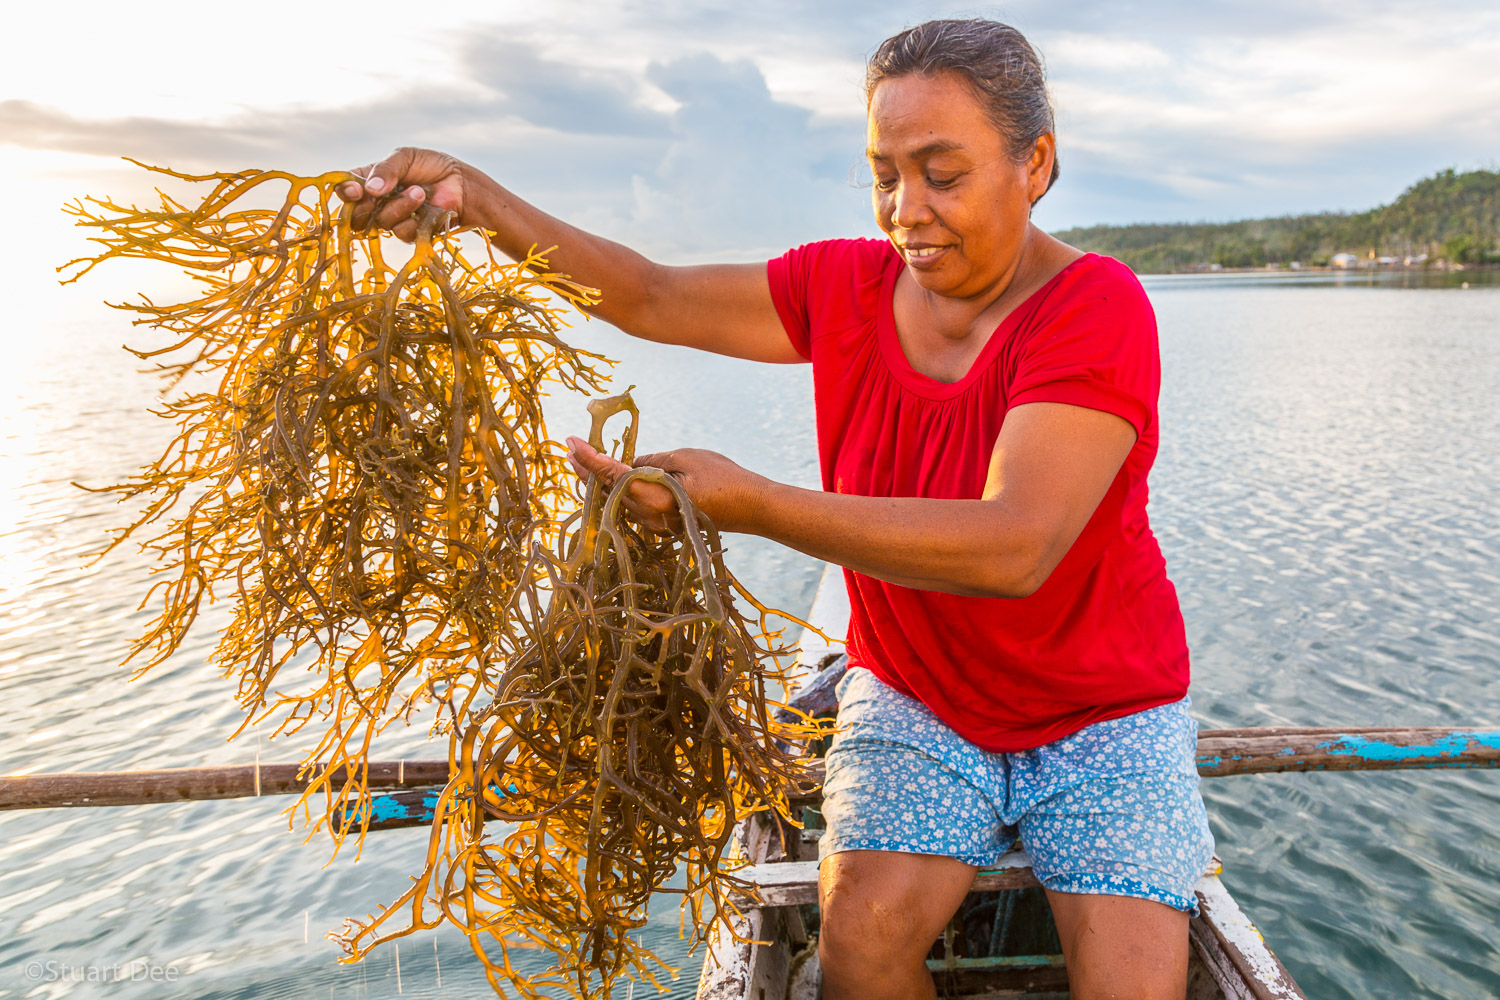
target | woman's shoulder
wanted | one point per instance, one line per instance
(1097, 271)
(1089, 288)
(855, 254)
(828, 285)
(832, 275)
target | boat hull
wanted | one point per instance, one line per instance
(1001, 942)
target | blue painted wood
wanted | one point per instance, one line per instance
(393, 810)
(1221, 753)
(1250, 751)
(409, 807)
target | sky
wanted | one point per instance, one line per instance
(698, 130)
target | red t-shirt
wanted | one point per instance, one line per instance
(1103, 636)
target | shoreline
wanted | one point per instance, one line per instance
(1283, 270)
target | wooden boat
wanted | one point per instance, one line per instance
(1001, 943)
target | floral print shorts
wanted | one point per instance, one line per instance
(1113, 809)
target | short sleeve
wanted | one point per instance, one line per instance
(823, 287)
(1093, 344)
(790, 276)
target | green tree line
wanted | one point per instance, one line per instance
(1451, 217)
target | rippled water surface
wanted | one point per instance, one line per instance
(1326, 495)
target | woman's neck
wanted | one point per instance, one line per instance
(943, 335)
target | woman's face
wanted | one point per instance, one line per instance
(948, 192)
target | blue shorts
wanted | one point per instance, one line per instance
(1113, 809)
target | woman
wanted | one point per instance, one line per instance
(986, 407)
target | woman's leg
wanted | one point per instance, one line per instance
(1117, 833)
(911, 812)
(881, 912)
(1121, 946)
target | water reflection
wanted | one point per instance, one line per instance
(1325, 496)
(1330, 523)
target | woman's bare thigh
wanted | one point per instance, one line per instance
(1121, 946)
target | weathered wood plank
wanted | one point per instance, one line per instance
(733, 968)
(805, 980)
(751, 958)
(792, 883)
(128, 788)
(972, 980)
(816, 697)
(1250, 751)
(1225, 752)
(1233, 950)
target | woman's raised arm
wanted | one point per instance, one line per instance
(724, 308)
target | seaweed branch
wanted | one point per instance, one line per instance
(369, 477)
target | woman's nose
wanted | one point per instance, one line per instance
(910, 207)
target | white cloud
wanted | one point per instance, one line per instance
(1070, 52)
(192, 61)
(742, 162)
(1173, 109)
(1340, 109)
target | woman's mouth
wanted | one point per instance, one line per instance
(923, 256)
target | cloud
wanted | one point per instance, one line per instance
(701, 127)
(731, 172)
(1225, 116)
(31, 126)
(1073, 53)
(568, 98)
(742, 162)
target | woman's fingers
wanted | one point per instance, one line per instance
(388, 194)
(401, 207)
(354, 190)
(354, 193)
(385, 175)
(405, 231)
(722, 490)
(651, 503)
(587, 461)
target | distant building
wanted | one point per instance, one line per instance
(1344, 260)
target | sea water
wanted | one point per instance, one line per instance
(1327, 495)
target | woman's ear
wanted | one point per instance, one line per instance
(1039, 169)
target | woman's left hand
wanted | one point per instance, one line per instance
(726, 492)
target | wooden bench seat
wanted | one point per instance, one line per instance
(792, 883)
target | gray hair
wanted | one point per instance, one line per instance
(997, 62)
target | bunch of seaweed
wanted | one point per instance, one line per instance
(369, 477)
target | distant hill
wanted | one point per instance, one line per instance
(1451, 217)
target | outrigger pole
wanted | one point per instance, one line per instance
(1221, 752)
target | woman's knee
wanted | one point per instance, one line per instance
(865, 935)
(880, 913)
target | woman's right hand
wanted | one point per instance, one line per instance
(393, 189)
(724, 308)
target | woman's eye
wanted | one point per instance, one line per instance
(941, 182)
(885, 183)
